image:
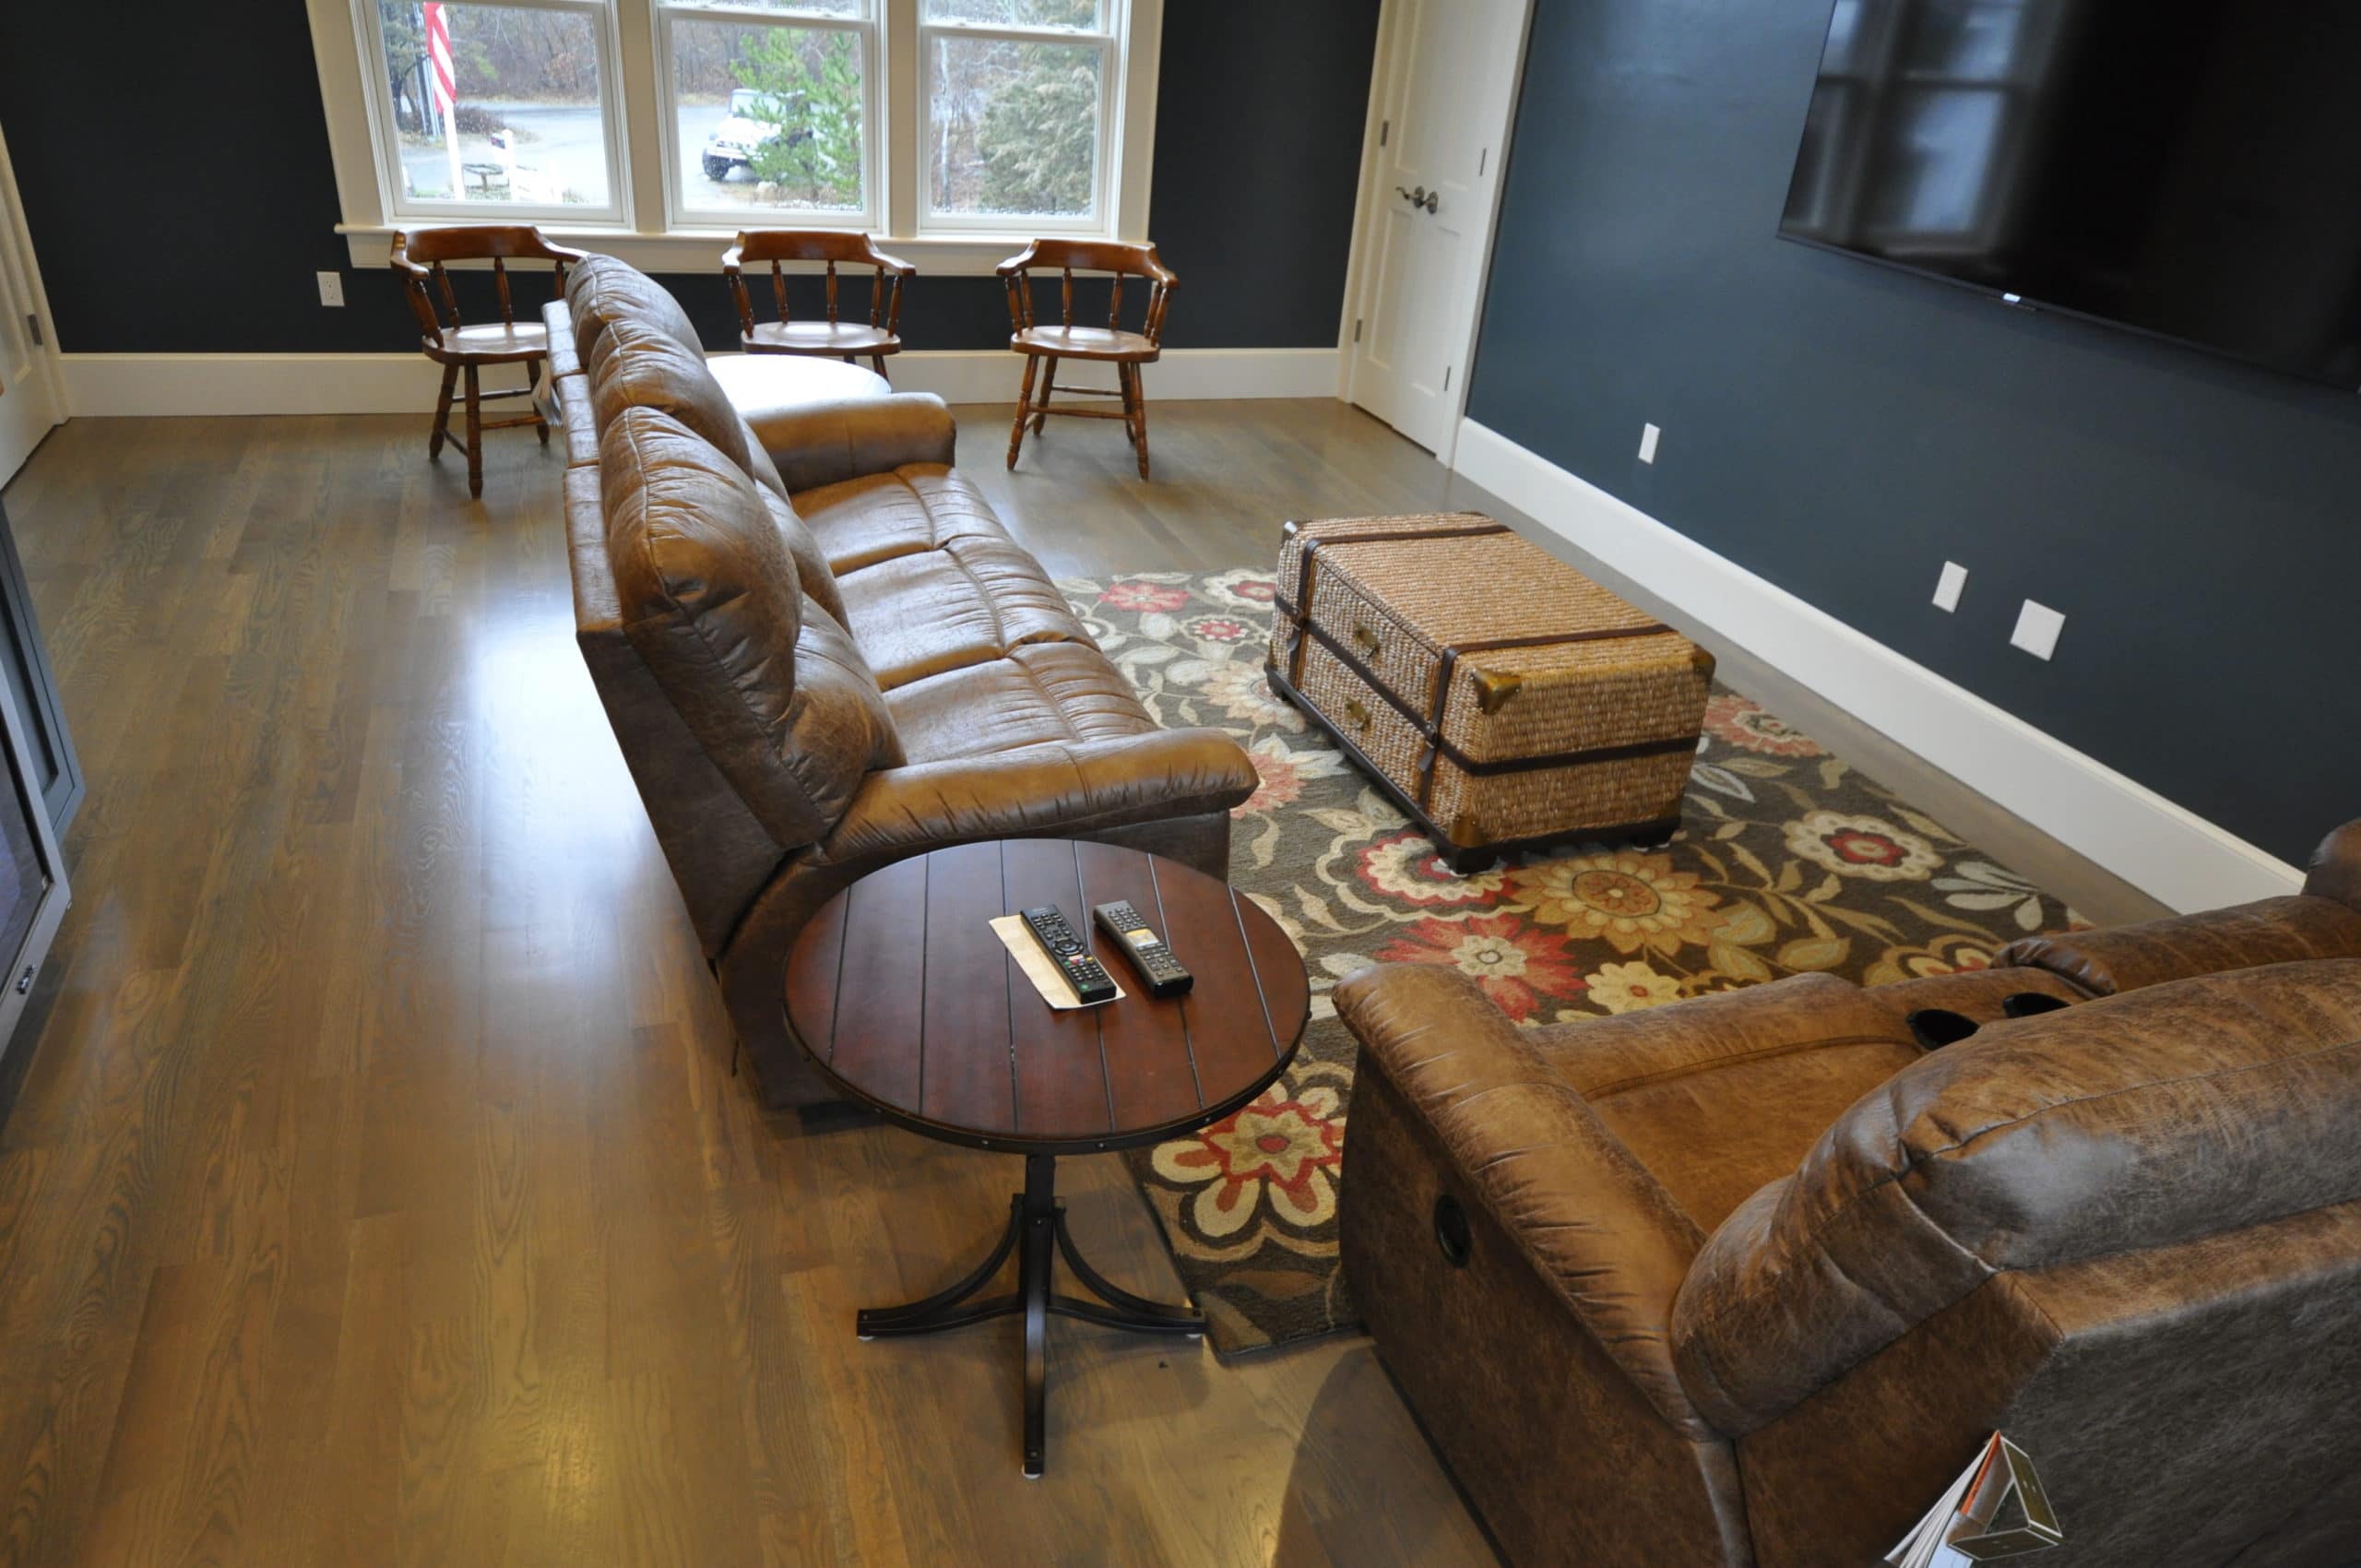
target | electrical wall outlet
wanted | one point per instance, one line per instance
(2037, 629)
(1950, 585)
(1649, 436)
(331, 288)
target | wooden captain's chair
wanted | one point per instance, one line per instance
(831, 339)
(1110, 344)
(461, 350)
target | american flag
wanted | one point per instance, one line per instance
(438, 54)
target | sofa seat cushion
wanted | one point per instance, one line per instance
(1039, 693)
(1725, 1093)
(969, 603)
(915, 508)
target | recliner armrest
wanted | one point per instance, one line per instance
(2336, 867)
(1042, 790)
(1583, 1210)
(827, 442)
(2131, 957)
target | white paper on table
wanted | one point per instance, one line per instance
(1039, 967)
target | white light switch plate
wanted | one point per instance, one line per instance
(331, 288)
(2037, 629)
(1649, 436)
(1948, 587)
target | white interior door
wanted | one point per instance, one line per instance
(29, 401)
(1447, 82)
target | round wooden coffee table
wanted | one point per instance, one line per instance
(905, 996)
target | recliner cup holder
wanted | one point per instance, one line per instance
(1935, 1027)
(2031, 1004)
(1453, 1233)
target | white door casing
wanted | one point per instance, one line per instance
(1446, 85)
(29, 403)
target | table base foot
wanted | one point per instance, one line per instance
(1037, 1232)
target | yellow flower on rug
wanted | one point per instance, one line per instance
(1626, 898)
(1627, 988)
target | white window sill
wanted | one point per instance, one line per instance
(964, 255)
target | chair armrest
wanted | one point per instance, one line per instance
(827, 442)
(1583, 1210)
(2276, 930)
(1042, 790)
(2336, 867)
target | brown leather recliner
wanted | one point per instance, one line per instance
(1747, 1280)
(819, 650)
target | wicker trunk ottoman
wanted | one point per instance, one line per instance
(1502, 698)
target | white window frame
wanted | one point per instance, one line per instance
(1108, 38)
(666, 15)
(386, 138)
(648, 229)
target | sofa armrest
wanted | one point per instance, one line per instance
(2276, 930)
(1584, 1213)
(2336, 867)
(1042, 790)
(827, 442)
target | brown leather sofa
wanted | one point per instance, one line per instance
(1747, 1280)
(819, 650)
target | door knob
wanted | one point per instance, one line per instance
(1430, 200)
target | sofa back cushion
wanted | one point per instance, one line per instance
(2132, 1123)
(777, 694)
(601, 291)
(636, 364)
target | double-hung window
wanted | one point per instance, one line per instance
(488, 107)
(1017, 98)
(656, 122)
(770, 111)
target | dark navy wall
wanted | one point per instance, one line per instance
(1843, 430)
(1259, 119)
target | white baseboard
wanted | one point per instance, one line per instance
(2169, 852)
(104, 385)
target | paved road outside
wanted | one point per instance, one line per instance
(563, 149)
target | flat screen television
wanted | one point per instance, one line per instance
(2187, 168)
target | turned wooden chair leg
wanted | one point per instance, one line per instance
(877, 364)
(1049, 384)
(475, 435)
(1139, 414)
(1024, 410)
(442, 414)
(533, 398)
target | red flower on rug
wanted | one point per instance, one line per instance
(1516, 964)
(1731, 717)
(1147, 598)
(1218, 629)
(1282, 1152)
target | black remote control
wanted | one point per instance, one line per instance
(1089, 979)
(1149, 955)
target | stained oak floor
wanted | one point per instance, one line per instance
(375, 1188)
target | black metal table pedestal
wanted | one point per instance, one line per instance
(1036, 1220)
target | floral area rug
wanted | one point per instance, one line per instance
(1789, 861)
